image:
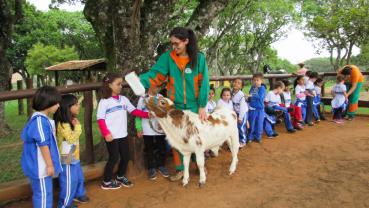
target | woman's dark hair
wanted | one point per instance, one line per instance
(226, 89)
(191, 48)
(45, 97)
(346, 70)
(278, 84)
(63, 114)
(319, 80)
(105, 90)
(296, 80)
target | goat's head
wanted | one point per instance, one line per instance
(159, 106)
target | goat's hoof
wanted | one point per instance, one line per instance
(201, 184)
(184, 185)
(231, 172)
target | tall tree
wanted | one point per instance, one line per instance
(244, 32)
(338, 24)
(10, 14)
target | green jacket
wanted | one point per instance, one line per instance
(187, 88)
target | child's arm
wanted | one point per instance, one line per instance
(138, 125)
(45, 152)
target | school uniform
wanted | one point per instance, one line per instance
(241, 108)
(274, 101)
(338, 103)
(154, 138)
(225, 104)
(301, 99)
(71, 179)
(309, 101)
(39, 132)
(295, 112)
(256, 112)
(210, 106)
(316, 102)
(113, 111)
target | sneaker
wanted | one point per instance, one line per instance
(318, 120)
(178, 176)
(112, 185)
(242, 145)
(274, 135)
(311, 124)
(82, 199)
(291, 130)
(163, 171)
(298, 128)
(152, 174)
(123, 181)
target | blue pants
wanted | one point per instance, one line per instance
(316, 112)
(286, 116)
(242, 130)
(42, 190)
(269, 122)
(71, 184)
(256, 120)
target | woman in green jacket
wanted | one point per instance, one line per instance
(186, 72)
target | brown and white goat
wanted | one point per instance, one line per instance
(188, 134)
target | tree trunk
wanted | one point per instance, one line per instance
(349, 53)
(6, 27)
(131, 30)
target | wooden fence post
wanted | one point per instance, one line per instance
(20, 101)
(89, 145)
(29, 85)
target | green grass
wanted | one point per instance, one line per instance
(11, 145)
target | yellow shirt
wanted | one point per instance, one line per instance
(71, 137)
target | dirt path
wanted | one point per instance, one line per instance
(323, 166)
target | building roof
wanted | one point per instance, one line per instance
(93, 64)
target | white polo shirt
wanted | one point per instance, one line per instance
(272, 99)
(287, 99)
(146, 128)
(114, 112)
(300, 90)
(225, 104)
(210, 106)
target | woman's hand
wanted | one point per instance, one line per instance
(109, 138)
(202, 114)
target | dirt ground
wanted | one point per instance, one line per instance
(323, 166)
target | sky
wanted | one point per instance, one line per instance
(294, 47)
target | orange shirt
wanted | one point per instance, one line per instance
(180, 61)
(356, 75)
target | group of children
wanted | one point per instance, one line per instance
(51, 147)
(262, 110)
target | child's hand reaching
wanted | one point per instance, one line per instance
(247, 124)
(139, 134)
(239, 121)
(109, 138)
(50, 170)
